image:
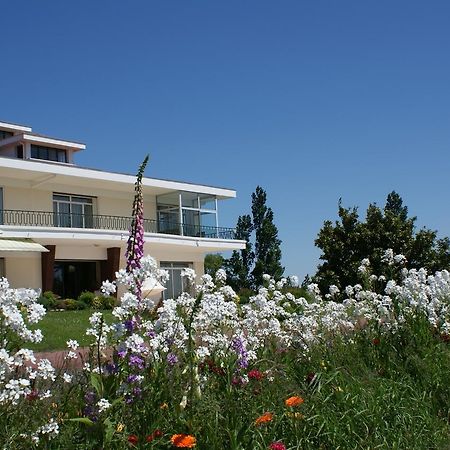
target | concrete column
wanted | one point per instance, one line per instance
(47, 264)
(111, 265)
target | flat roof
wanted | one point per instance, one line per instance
(23, 169)
(14, 126)
(40, 139)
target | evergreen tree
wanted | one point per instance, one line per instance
(245, 268)
(239, 265)
(267, 244)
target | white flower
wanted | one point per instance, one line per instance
(189, 274)
(108, 287)
(72, 344)
(221, 276)
(67, 378)
(103, 405)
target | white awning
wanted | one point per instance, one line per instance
(151, 287)
(21, 245)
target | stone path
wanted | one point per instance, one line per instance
(58, 361)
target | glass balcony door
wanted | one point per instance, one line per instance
(187, 214)
(73, 211)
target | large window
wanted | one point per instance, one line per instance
(176, 284)
(48, 153)
(70, 278)
(2, 268)
(73, 211)
(187, 214)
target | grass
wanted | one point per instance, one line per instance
(60, 326)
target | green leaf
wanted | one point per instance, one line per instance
(83, 420)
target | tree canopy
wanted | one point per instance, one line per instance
(349, 240)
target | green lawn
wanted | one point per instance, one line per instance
(60, 326)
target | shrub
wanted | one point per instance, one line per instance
(60, 304)
(71, 304)
(97, 303)
(48, 300)
(86, 297)
(244, 295)
(50, 295)
(108, 302)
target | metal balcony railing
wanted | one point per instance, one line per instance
(101, 222)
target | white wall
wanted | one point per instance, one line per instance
(24, 271)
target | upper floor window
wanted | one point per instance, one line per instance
(48, 153)
(5, 134)
(73, 211)
(2, 268)
(187, 214)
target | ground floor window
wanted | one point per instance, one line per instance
(176, 284)
(71, 278)
(2, 268)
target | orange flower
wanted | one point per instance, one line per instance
(293, 401)
(183, 441)
(267, 417)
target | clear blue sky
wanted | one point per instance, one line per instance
(312, 100)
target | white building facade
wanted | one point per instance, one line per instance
(64, 228)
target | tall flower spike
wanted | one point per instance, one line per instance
(135, 246)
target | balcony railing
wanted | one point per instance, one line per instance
(100, 222)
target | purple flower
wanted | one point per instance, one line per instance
(111, 368)
(172, 359)
(135, 245)
(90, 397)
(132, 379)
(137, 392)
(91, 412)
(136, 361)
(129, 325)
(121, 353)
(238, 346)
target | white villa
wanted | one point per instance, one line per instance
(64, 228)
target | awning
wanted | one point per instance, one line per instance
(151, 287)
(20, 245)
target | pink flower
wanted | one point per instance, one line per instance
(277, 446)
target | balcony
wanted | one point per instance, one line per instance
(100, 222)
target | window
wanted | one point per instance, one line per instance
(2, 268)
(176, 283)
(19, 151)
(73, 211)
(48, 153)
(187, 214)
(5, 134)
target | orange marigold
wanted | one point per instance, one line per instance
(293, 401)
(183, 441)
(267, 417)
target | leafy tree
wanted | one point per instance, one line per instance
(346, 242)
(213, 262)
(246, 267)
